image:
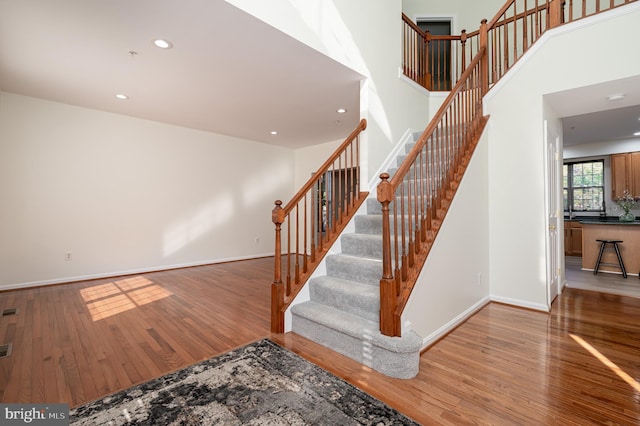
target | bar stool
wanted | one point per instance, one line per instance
(603, 244)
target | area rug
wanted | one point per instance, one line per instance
(258, 384)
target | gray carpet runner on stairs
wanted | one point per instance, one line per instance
(344, 307)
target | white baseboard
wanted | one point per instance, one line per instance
(458, 320)
(451, 325)
(520, 303)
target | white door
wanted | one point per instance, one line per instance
(553, 166)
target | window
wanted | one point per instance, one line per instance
(583, 184)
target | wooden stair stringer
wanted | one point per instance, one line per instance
(425, 245)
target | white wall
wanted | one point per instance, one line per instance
(454, 282)
(601, 148)
(308, 160)
(516, 153)
(359, 34)
(127, 195)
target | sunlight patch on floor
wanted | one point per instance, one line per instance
(110, 299)
(607, 362)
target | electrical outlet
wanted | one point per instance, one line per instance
(67, 256)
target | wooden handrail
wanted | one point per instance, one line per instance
(419, 192)
(313, 220)
(362, 125)
(511, 32)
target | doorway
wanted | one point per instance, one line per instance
(438, 53)
(553, 244)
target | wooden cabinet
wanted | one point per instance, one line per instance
(625, 174)
(573, 238)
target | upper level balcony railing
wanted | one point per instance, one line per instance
(436, 62)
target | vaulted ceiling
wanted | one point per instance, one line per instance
(227, 72)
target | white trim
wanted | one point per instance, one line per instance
(520, 303)
(451, 325)
(555, 32)
(66, 280)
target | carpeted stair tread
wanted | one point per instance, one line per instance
(357, 327)
(354, 268)
(358, 339)
(349, 296)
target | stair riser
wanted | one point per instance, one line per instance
(372, 224)
(431, 156)
(374, 208)
(364, 247)
(369, 224)
(392, 364)
(365, 305)
(354, 269)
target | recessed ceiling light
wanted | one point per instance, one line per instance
(616, 97)
(162, 43)
(636, 134)
(341, 111)
(122, 97)
(273, 132)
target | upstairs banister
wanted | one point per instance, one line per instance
(312, 220)
(578, 9)
(510, 33)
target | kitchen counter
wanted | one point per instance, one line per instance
(606, 221)
(594, 229)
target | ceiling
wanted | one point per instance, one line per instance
(227, 73)
(589, 115)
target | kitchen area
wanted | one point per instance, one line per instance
(602, 211)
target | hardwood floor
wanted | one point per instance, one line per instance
(73, 343)
(76, 342)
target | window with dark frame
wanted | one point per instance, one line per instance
(583, 186)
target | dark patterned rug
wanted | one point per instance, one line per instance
(258, 384)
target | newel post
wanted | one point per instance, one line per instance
(389, 322)
(277, 288)
(484, 62)
(427, 75)
(463, 44)
(555, 13)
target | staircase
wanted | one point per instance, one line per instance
(344, 310)
(356, 308)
